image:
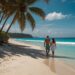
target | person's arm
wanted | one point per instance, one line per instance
(50, 43)
(44, 43)
(55, 43)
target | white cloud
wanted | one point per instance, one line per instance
(55, 16)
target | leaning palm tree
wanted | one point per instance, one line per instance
(7, 11)
(6, 18)
(22, 12)
(8, 5)
(1, 17)
(2, 6)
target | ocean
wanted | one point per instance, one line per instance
(65, 48)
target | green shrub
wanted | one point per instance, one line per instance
(4, 37)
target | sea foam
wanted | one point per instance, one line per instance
(62, 43)
(67, 43)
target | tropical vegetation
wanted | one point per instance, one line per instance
(21, 11)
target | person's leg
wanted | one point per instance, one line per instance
(48, 49)
(46, 52)
(53, 53)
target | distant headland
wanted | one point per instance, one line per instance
(20, 35)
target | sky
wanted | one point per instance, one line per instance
(59, 20)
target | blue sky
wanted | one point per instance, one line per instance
(59, 20)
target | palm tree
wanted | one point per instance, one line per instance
(4, 24)
(23, 11)
(23, 6)
(7, 11)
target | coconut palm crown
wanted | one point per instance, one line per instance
(22, 11)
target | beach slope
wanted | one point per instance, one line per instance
(19, 58)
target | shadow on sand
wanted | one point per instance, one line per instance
(18, 50)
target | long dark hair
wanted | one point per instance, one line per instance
(53, 40)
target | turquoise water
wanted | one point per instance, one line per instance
(65, 49)
(42, 39)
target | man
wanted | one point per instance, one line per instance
(47, 45)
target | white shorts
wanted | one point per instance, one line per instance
(53, 47)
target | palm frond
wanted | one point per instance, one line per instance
(15, 18)
(31, 20)
(8, 13)
(31, 1)
(2, 17)
(22, 21)
(38, 11)
(19, 9)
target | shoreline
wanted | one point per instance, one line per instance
(27, 59)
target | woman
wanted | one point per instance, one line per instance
(53, 46)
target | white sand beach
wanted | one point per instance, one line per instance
(18, 58)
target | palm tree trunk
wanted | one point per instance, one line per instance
(10, 24)
(0, 14)
(1, 17)
(4, 23)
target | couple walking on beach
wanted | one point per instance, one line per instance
(49, 45)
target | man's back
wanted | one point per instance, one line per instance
(47, 41)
